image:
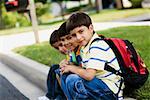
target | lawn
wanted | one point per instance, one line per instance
(104, 15)
(139, 35)
(114, 14)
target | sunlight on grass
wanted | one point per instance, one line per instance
(109, 15)
(42, 53)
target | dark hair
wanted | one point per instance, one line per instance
(62, 30)
(54, 37)
(76, 20)
(57, 34)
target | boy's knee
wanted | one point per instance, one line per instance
(72, 78)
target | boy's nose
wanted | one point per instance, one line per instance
(78, 36)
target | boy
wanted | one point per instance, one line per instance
(54, 90)
(59, 39)
(91, 81)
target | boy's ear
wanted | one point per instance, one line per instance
(91, 27)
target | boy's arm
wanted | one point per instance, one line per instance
(87, 74)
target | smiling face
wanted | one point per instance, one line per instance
(70, 42)
(59, 46)
(83, 34)
(66, 44)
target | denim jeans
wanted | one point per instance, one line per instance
(77, 88)
(62, 80)
(53, 87)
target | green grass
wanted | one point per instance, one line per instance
(41, 52)
(113, 14)
(104, 15)
(139, 35)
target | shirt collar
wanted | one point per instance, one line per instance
(86, 48)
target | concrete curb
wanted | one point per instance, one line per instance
(31, 70)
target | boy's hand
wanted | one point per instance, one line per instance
(68, 68)
(61, 64)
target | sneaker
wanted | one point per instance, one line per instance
(43, 98)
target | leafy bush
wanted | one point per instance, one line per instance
(41, 9)
(23, 20)
(9, 23)
(136, 3)
(7, 20)
(11, 18)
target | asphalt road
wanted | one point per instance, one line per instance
(9, 92)
(14, 86)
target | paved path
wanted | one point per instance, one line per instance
(12, 41)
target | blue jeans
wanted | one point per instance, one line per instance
(62, 79)
(77, 88)
(53, 87)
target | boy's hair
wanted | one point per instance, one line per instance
(54, 37)
(57, 34)
(78, 19)
(62, 30)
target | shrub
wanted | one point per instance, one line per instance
(11, 18)
(41, 9)
(23, 20)
(136, 3)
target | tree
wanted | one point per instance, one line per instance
(90, 3)
(43, 1)
(98, 4)
(1, 18)
(119, 4)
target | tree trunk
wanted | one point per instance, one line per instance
(90, 3)
(1, 18)
(119, 4)
(98, 4)
(62, 9)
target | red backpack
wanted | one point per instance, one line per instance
(133, 69)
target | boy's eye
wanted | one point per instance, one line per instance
(73, 35)
(62, 39)
(68, 37)
(56, 47)
(60, 44)
(81, 31)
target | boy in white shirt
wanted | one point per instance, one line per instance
(91, 81)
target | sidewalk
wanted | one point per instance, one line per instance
(34, 71)
(9, 42)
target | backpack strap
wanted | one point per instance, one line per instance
(101, 37)
(108, 67)
(120, 87)
(111, 69)
(115, 50)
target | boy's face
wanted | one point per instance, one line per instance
(73, 40)
(70, 42)
(60, 46)
(83, 34)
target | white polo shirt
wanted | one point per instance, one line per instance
(95, 56)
